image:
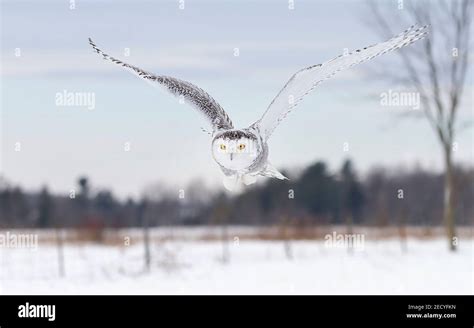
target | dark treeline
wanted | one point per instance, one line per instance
(316, 196)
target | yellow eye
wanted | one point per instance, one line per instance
(223, 147)
(241, 147)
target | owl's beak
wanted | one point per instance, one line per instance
(231, 156)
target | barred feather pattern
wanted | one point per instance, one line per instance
(190, 92)
(306, 80)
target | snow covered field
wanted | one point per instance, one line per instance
(254, 267)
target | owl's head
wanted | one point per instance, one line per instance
(235, 149)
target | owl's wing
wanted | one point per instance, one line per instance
(200, 99)
(305, 80)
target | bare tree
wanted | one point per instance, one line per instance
(60, 249)
(285, 226)
(47, 216)
(220, 215)
(402, 230)
(437, 69)
(143, 218)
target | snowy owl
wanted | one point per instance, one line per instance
(242, 154)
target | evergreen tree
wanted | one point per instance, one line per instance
(45, 209)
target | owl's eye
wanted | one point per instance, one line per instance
(241, 147)
(223, 147)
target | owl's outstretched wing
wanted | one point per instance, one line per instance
(305, 80)
(190, 92)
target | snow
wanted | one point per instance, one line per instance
(255, 267)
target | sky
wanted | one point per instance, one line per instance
(136, 135)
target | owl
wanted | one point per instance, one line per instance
(242, 154)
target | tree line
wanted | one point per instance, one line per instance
(316, 196)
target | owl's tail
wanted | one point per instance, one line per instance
(237, 182)
(272, 172)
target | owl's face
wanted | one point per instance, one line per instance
(235, 150)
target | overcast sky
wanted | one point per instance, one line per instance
(198, 44)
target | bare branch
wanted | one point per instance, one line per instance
(437, 75)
